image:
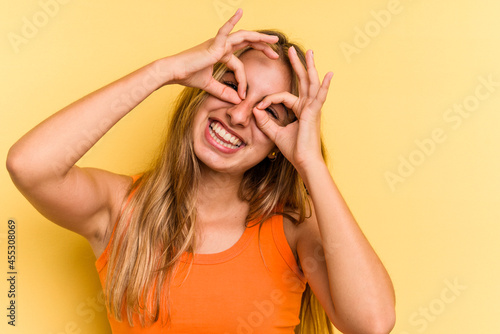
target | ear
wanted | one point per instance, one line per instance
(273, 154)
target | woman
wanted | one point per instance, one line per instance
(220, 235)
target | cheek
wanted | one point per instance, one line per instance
(197, 124)
(264, 141)
(211, 103)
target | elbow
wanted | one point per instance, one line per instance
(19, 169)
(376, 321)
(384, 325)
(28, 172)
(13, 164)
(382, 321)
(383, 314)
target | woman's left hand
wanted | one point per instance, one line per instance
(299, 141)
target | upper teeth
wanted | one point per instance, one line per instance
(215, 127)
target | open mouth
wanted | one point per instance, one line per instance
(223, 137)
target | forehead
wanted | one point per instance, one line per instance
(269, 75)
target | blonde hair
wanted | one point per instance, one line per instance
(157, 226)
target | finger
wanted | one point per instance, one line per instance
(288, 99)
(264, 47)
(320, 99)
(238, 69)
(226, 29)
(300, 71)
(252, 37)
(325, 86)
(266, 124)
(314, 82)
(222, 92)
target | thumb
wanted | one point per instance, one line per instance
(265, 123)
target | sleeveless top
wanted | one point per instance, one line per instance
(237, 290)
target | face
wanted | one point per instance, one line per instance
(226, 136)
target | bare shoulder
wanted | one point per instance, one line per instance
(307, 235)
(297, 233)
(290, 229)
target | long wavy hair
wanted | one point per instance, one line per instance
(158, 224)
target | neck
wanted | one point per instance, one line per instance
(217, 195)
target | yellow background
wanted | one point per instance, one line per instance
(437, 225)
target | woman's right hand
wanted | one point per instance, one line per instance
(194, 67)
(42, 162)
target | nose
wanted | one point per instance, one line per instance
(240, 114)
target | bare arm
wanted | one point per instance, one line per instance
(86, 200)
(361, 291)
(350, 281)
(42, 162)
